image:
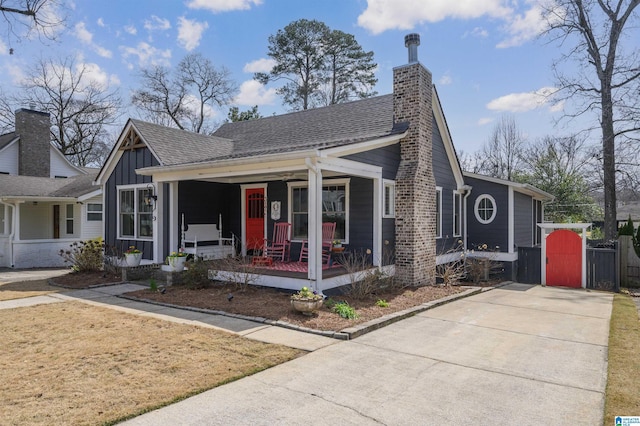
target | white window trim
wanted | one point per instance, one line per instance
(101, 211)
(439, 213)
(392, 199)
(135, 187)
(453, 214)
(325, 182)
(68, 219)
(477, 204)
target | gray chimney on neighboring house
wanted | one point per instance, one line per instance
(34, 155)
(415, 183)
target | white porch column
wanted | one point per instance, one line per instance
(174, 221)
(314, 232)
(158, 223)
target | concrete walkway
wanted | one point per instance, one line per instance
(521, 354)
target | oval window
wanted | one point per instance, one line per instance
(485, 208)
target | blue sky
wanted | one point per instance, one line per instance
(483, 54)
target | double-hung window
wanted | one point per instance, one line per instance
(94, 212)
(335, 208)
(69, 219)
(134, 213)
(389, 199)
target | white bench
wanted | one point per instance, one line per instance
(205, 240)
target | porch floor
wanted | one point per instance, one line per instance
(299, 270)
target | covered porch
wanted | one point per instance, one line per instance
(246, 198)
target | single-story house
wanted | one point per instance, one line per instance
(384, 169)
(46, 203)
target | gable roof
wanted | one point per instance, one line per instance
(43, 187)
(6, 139)
(524, 188)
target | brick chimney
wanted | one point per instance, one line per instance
(34, 155)
(415, 183)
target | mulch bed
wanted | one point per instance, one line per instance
(79, 280)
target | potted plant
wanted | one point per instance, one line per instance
(306, 301)
(132, 256)
(336, 243)
(176, 260)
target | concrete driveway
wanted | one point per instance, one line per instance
(525, 355)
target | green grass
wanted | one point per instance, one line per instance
(623, 379)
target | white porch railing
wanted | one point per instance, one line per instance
(38, 253)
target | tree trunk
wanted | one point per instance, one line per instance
(608, 153)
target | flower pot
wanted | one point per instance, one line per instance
(306, 306)
(176, 263)
(132, 259)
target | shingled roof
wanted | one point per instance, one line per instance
(318, 128)
(30, 186)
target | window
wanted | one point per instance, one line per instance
(94, 212)
(135, 215)
(438, 212)
(485, 209)
(69, 219)
(389, 199)
(334, 208)
(457, 214)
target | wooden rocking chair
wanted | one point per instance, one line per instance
(278, 247)
(328, 231)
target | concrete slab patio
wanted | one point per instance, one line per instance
(525, 355)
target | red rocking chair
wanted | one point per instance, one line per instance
(278, 247)
(328, 231)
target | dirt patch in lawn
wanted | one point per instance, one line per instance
(274, 304)
(71, 363)
(19, 290)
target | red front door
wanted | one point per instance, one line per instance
(254, 216)
(564, 259)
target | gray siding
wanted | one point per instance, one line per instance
(124, 174)
(387, 157)
(444, 178)
(523, 220)
(495, 233)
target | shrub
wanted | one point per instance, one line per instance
(345, 310)
(627, 228)
(85, 256)
(196, 274)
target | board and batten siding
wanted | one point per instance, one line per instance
(124, 174)
(523, 220)
(495, 233)
(446, 180)
(388, 158)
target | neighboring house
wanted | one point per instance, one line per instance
(46, 203)
(383, 168)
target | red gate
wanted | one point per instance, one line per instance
(564, 259)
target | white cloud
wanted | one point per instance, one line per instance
(254, 93)
(147, 55)
(484, 121)
(223, 5)
(382, 15)
(86, 37)
(477, 32)
(100, 22)
(93, 73)
(522, 102)
(445, 79)
(3, 48)
(83, 34)
(524, 27)
(130, 29)
(190, 32)
(157, 23)
(193, 104)
(259, 65)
